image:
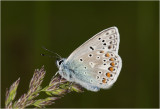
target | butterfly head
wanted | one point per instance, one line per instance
(60, 62)
(63, 70)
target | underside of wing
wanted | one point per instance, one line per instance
(99, 68)
(97, 59)
(108, 40)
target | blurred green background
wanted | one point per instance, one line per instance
(62, 27)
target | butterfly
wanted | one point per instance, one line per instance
(95, 64)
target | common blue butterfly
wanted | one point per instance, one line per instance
(96, 63)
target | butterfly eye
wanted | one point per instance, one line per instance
(60, 62)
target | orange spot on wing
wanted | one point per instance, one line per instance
(111, 68)
(112, 59)
(108, 75)
(112, 64)
(104, 80)
(107, 55)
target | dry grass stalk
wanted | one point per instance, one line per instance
(57, 88)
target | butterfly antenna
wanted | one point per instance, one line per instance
(58, 56)
(47, 55)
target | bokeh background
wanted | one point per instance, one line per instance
(62, 27)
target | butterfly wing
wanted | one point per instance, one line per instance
(107, 39)
(97, 59)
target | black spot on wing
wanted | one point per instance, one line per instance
(91, 48)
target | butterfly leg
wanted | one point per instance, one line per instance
(70, 85)
(55, 74)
